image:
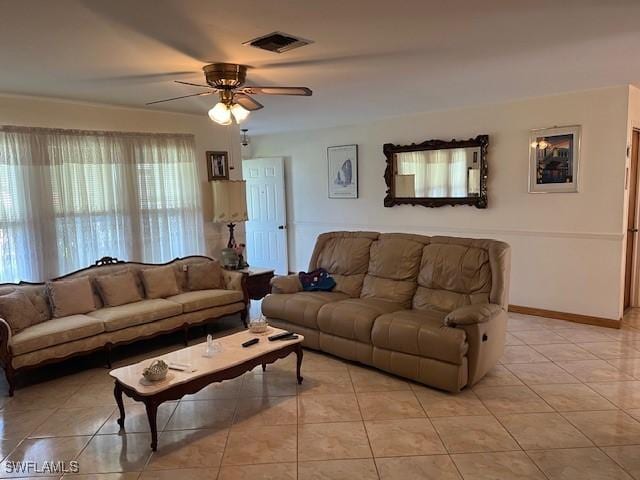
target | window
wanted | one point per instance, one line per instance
(69, 198)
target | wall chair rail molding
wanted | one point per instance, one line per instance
(536, 278)
(436, 173)
(569, 317)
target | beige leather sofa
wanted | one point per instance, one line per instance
(431, 309)
(53, 339)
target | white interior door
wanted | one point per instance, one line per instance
(267, 226)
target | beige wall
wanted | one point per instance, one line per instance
(567, 248)
(52, 113)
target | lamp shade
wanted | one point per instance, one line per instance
(229, 201)
(474, 181)
(406, 186)
(239, 113)
(221, 114)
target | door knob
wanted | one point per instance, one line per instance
(281, 227)
(632, 230)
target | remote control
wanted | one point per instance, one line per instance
(181, 367)
(289, 337)
(278, 336)
(248, 343)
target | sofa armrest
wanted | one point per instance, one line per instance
(472, 314)
(232, 280)
(5, 339)
(286, 284)
(236, 281)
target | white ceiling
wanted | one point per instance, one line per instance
(370, 58)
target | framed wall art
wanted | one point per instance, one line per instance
(554, 158)
(343, 171)
(218, 165)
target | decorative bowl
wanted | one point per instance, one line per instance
(258, 325)
(229, 258)
(156, 371)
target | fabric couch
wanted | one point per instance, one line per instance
(109, 304)
(431, 309)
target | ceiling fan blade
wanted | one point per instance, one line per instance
(194, 84)
(300, 91)
(183, 96)
(247, 102)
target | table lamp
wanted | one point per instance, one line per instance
(229, 205)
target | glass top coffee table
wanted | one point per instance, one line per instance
(230, 362)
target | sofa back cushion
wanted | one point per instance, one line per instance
(393, 267)
(94, 272)
(71, 297)
(456, 271)
(345, 255)
(39, 296)
(160, 282)
(204, 275)
(118, 289)
(18, 311)
(37, 293)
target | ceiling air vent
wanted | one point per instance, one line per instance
(278, 42)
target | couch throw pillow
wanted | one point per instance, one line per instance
(160, 282)
(71, 297)
(204, 275)
(18, 311)
(118, 289)
(317, 281)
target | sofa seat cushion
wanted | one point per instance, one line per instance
(201, 299)
(55, 332)
(299, 308)
(422, 333)
(354, 317)
(123, 316)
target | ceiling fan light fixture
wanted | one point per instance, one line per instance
(236, 103)
(239, 113)
(220, 114)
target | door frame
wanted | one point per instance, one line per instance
(634, 262)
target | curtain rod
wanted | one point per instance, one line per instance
(65, 131)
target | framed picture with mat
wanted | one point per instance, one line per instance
(218, 165)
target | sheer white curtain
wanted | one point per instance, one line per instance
(22, 252)
(170, 217)
(438, 173)
(70, 197)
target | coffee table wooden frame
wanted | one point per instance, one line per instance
(153, 401)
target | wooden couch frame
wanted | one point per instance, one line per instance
(6, 355)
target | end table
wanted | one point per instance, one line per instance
(258, 281)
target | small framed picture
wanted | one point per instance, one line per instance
(343, 171)
(218, 165)
(554, 157)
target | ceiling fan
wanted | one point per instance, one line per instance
(227, 80)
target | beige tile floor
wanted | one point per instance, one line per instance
(564, 403)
